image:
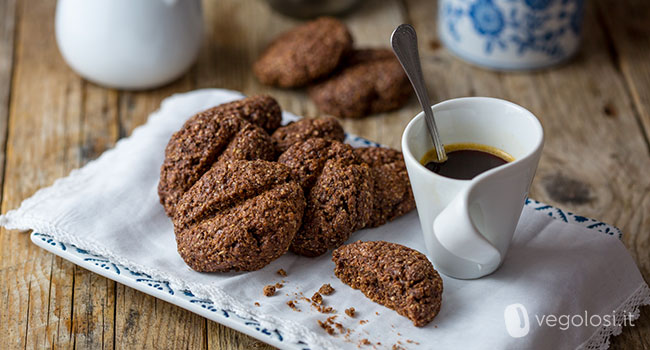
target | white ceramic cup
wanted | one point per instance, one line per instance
(468, 224)
(129, 44)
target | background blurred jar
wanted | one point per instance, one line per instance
(511, 34)
(312, 8)
(129, 44)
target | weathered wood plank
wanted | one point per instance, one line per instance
(7, 33)
(8, 275)
(44, 117)
(224, 338)
(60, 307)
(143, 321)
(629, 36)
(52, 133)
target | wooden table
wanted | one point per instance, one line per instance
(595, 111)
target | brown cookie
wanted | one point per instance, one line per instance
(239, 216)
(304, 53)
(392, 275)
(372, 81)
(262, 110)
(392, 193)
(337, 187)
(217, 134)
(286, 136)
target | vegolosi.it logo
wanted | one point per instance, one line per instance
(518, 322)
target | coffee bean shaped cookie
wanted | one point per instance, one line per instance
(304, 53)
(371, 81)
(217, 134)
(239, 216)
(392, 192)
(327, 128)
(338, 192)
(392, 275)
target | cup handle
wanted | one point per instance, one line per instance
(457, 233)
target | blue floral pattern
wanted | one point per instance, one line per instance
(487, 18)
(548, 29)
(572, 218)
(538, 4)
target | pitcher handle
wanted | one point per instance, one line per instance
(457, 233)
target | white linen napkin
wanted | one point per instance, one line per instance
(558, 273)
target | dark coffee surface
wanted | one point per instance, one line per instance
(465, 164)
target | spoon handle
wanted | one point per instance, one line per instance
(404, 42)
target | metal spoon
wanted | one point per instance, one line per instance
(405, 45)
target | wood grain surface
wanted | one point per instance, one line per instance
(595, 110)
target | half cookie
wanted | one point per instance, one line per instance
(392, 275)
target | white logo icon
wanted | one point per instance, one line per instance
(517, 322)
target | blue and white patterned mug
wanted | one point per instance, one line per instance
(511, 34)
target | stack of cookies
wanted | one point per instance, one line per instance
(343, 81)
(242, 190)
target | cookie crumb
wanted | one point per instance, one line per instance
(269, 290)
(364, 341)
(322, 309)
(329, 322)
(292, 305)
(257, 304)
(397, 347)
(350, 312)
(279, 285)
(317, 298)
(326, 327)
(282, 273)
(363, 321)
(326, 289)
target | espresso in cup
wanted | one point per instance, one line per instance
(467, 226)
(465, 160)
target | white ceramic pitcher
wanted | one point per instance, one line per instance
(468, 224)
(129, 44)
